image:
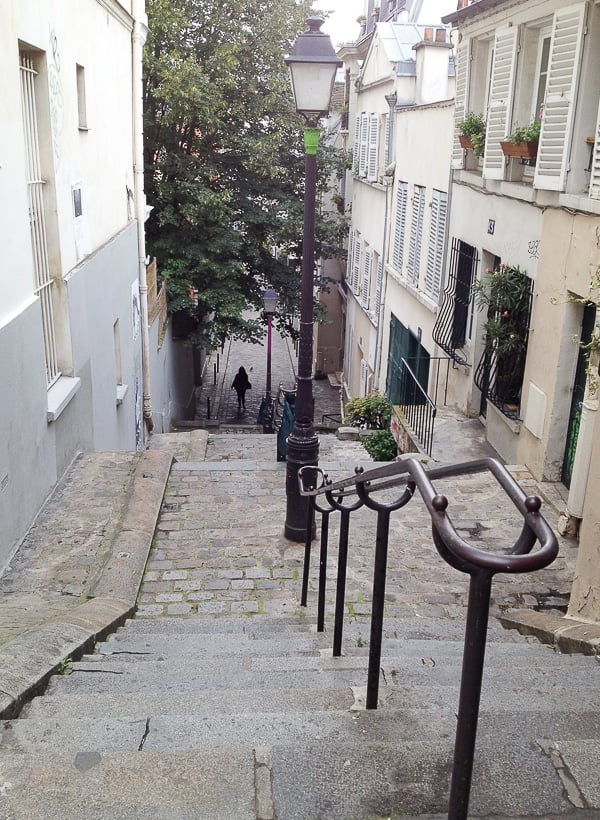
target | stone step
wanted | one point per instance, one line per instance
(258, 626)
(318, 779)
(130, 785)
(231, 646)
(338, 729)
(201, 702)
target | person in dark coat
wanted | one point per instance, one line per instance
(240, 384)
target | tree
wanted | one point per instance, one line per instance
(224, 159)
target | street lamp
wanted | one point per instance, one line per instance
(313, 66)
(270, 305)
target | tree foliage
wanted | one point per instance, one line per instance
(224, 159)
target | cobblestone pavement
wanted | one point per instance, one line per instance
(219, 546)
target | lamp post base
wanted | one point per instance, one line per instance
(302, 451)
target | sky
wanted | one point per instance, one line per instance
(343, 28)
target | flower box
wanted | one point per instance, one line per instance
(465, 142)
(522, 150)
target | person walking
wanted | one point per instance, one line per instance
(240, 384)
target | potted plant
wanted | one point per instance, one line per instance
(471, 133)
(523, 141)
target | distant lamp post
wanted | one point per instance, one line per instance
(270, 305)
(313, 66)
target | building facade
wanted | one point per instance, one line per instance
(74, 330)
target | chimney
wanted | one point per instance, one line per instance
(431, 66)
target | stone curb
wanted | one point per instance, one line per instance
(568, 635)
(29, 659)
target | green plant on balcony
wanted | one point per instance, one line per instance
(522, 141)
(471, 132)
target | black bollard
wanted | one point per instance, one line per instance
(208, 407)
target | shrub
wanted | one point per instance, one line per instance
(381, 445)
(371, 412)
(474, 126)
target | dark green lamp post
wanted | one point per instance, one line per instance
(313, 66)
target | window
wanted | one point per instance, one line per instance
(400, 225)
(451, 330)
(499, 110)
(437, 237)
(81, 105)
(499, 374)
(416, 234)
(43, 281)
(366, 146)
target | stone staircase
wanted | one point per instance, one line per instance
(250, 718)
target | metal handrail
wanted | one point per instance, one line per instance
(421, 411)
(479, 564)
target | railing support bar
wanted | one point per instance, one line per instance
(307, 549)
(470, 694)
(323, 571)
(379, 573)
(340, 592)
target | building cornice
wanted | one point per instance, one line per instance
(116, 10)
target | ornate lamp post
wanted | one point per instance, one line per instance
(313, 67)
(270, 304)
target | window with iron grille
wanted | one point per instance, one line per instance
(43, 281)
(499, 374)
(450, 331)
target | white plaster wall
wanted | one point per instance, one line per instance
(72, 32)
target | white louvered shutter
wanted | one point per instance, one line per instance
(463, 66)
(358, 246)
(378, 290)
(500, 103)
(364, 372)
(366, 282)
(400, 225)
(373, 157)
(595, 175)
(386, 146)
(356, 146)
(416, 234)
(364, 144)
(435, 252)
(557, 123)
(350, 260)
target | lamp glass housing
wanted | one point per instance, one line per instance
(270, 298)
(312, 84)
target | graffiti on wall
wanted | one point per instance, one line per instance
(56, 101)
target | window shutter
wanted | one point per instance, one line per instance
(356, 146)
(500, 104)
(363, 378)
(561, 87)
(386, 148)
(358, 245)
(366, 282)
(364, 139)
(595, 175)
(463, 66)
(378, 290)
(373, 160)
(435, 252)
(400, 225)
(350, 260)
(416, 232)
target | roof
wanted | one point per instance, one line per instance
(398, 40)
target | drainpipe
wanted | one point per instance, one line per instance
(138, 38)
(568, 522)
